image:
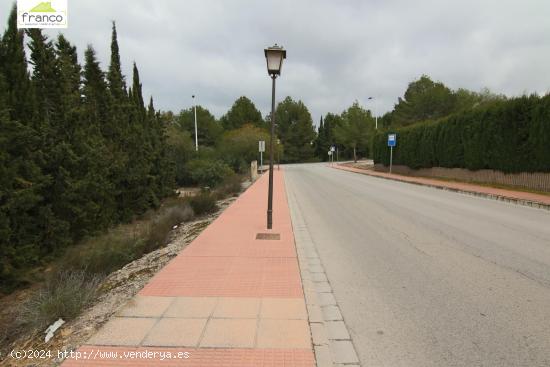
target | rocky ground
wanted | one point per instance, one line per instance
(117, 289)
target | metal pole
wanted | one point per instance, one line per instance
(337, 159)
(196, 130)
(391, 158)
(270, 193)
(278, 158)
(376, 119)
(261, 162)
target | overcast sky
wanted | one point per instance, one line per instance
(338, 51)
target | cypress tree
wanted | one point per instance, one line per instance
(56, 150)
(69, 72)
(84, 197)
(320, 143)
(102, 159)
(96, 95)
(78, 153)
(16, 75)
(137, 91)
(117, 85)
(21, 201)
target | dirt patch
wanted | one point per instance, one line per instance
(116, 289)
(188, 191)
(366, 164)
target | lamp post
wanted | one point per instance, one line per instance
(274, 56)
(375, 115)
(196, 134)
(278, 154)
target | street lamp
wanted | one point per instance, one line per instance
(375, 115)
(196, 134)
(278, 154)
(274, 56)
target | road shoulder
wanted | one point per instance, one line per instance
(516, 197)
(331, 339)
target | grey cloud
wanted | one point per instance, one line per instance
(338, 51)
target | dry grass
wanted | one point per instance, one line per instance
(159, 229)
(63, 296)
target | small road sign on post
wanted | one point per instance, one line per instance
(392, 142)
(261, 149)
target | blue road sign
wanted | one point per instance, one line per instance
(392, 140)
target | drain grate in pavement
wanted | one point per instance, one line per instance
(268, 236)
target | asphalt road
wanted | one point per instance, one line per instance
(426, 277)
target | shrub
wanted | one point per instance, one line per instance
(108, 252)
(160, 227)
(208, 172)
(203, 203)
(239, 147)
(230, 186)
(63, 296)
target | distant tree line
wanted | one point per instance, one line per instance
(352, 132)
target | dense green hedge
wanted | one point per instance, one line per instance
(509, 136)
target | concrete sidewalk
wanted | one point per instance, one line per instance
(228, 299)
(519, 197)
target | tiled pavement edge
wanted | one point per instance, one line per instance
(517, 197)
(331, 340)
(228, 299)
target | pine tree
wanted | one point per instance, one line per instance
(208, 128)
(242, 112)
(295, 128)
(355, 130)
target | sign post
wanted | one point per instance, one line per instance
(332, 149)
(392, 142)
(330, 158)
(261, 149)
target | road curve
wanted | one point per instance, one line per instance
(426, 277)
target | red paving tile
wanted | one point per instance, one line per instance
(226, 260)
(206, 357)
(462, 186)
(227, 277)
